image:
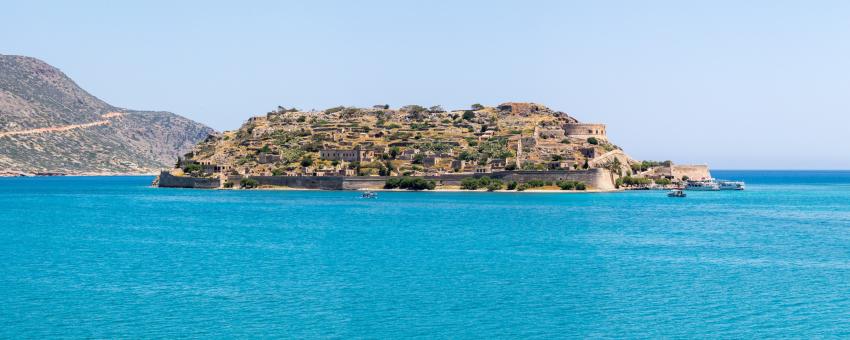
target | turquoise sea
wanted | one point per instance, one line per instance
(110, 257)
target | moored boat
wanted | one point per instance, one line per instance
(676, 193)
(702, 185)
(731, 185)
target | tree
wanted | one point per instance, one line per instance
(394, 152)
(512, 185)
(586, 164)
(192, 167)
(266, 149)
(468, 115)
(307, 161)
(466, 155)
(249, 183)
(477, 106)
(593, 140)
(418, 158)
(436, 109)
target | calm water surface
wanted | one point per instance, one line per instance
(113, 258)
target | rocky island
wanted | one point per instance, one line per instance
(512, 146)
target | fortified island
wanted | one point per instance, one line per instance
(513, 146)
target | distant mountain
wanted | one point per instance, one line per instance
(49, 124)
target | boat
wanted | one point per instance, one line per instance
(702, 185)
(676, 193)
(369, 194)
(731, 185)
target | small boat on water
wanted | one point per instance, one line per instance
(369, 194)
(731, 185)
(676, 193)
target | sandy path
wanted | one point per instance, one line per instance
(105, 121)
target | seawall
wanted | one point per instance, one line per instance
(594, 178)
(167, 180)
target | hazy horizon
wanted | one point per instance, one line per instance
(757, 85)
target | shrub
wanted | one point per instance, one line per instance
(228, 185)
(593, 140)
(663, 181)
(522, 187)
(249, 183)
(535, 183)
(469, 183)
(633, 181)
(418, 158)
(278, 172)
(477, 106)
(581, 186)
(512, 185)
(307, 161)
(567, 185)
(484, 181)
(468, 115)
(335, 109)
(192, 167)
(410, 184)
(495, 185)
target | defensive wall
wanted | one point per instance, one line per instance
(594, 178)
(167, 180)
(585, 130)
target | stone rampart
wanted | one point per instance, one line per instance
(167, 180)
(594, 178)
(582, 130)
(303, 182)
(692, 171)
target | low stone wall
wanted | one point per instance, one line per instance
(167, 180)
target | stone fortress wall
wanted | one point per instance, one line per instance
(594, 178)
(585, 130)
(167, 180)
(694, 172)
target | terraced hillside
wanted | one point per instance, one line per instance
(408, 141)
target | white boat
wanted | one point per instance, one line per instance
(731, 185)
(702, 185)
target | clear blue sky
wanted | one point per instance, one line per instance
(735, 84)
